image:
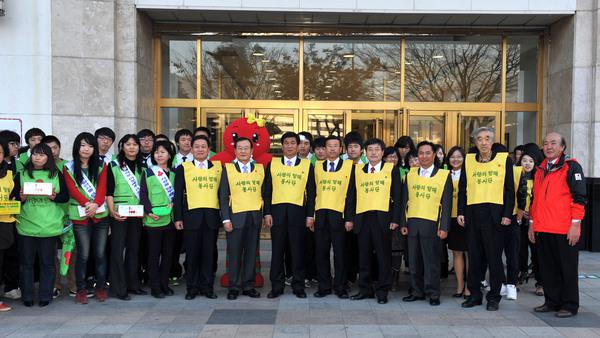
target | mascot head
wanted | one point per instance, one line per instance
(251, 128)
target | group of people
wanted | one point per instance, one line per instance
(375, 207)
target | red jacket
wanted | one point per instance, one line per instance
(558, 196)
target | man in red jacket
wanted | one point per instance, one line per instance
(557, 209)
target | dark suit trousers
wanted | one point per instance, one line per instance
(288, 231)
(424, 254)
(200, 247)
(124, 256)
(160, 255)
(379, 237)
(242, 243)
(327, 235)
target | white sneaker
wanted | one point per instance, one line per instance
(485, 285)
(511, 292)
(503, 290)
(13, 294)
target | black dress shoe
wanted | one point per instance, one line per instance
(382, 300)
(470, 303)
(300, 294)
(157, 294)
(43, 303)
(564, 314)
(138, 292)
(191, 295)
(273, 294)
(412, 298)
(168, 291)
(232, 295)
(210, 295)
(544, 308)
(124, 297)
(492, 306)
(322, 293)
(252, 293)
(342, 295)
(28, 303)
(360, 296)
(434, 301)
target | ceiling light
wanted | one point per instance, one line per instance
(348, 56)
(278, 91)
(269, 70)
(438, 56)
(332, 71)
(398, 72)
(258, 54)
(275, 86)
(326, 92)
(328, 86)
(264, 60)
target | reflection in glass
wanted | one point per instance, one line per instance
(468, 124)
(178, 68)
(368, 123)
(392, 128)
(277, 124)
(519, 128)
(352, 70)
(217, 121)
(250, 68)
(173, 119)
(427, 128)
(326, 124)
(521, 69)
(453, 69)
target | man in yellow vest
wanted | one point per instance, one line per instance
(335, 200)
(289, 201)
(378, 190)
(427, 207)
(196, 212)
(240, 198)
(486, 197)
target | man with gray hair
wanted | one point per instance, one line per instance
(486, 197)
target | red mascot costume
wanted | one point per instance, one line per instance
(255, 130)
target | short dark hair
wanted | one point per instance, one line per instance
(499, 148)
(34, 132)
(519, 148)
(201, 137)
(405, 141)
(161, 136)
(42, 148)
(169, 147)
(10, 136)
(307, 135)
(373, 141)
(290, 134)
(426, 143)
(390, 150)
(51, 138)
(243, 139)
(319, 142)
(121, 155)
(105, 131)
(182, 132)
(334, 138)
(353, 137)
(145, 133)
(204, 129)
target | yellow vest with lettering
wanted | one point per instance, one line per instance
(245, 188)
(6, 187)
(485, 181)
(425, 194)
(517, 176)
(289, 182)
(454, 213)
(373, 190)
(202, 185)
(332, 187)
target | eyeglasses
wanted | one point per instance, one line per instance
(104, 138)
(147, 139)
(13, 144)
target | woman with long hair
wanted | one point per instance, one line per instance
(7, 221)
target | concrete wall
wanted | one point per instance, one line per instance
(25, 64)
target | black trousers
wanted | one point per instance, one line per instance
(11, 266)
(351, 256)
(242, 244)
(425, 255)
(559, 266)
(124, 256)
(525, 246)
(176, 268)
(45, 249)
(309, 257)
(160, 254)
(326, 236)
(485, 239)
(374, 236)
(512, 242)
(288, 235)
(200, 246)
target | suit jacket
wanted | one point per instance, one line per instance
(239, 219)
(278, 211)
(192, 219)
(382, 218)
(426, 227)
(349, 208)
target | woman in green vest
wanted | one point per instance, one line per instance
(7, 221)
(40, 223)
(123, 189)
(156, 195)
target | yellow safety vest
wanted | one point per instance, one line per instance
(245, 188)
(202, 185)
(289, 182)
(485, 181)
(425, 194)
(517, 176)
(373, 190)
(332, 187)
(7, 184)
(454, 213)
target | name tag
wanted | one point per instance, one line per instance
(10, 208)
(36, 188)
(131, 210)
(81, 210)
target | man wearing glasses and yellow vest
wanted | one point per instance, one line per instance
(427, 204)
(486, 198)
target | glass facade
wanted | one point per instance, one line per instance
(521, 69)
(178, 68)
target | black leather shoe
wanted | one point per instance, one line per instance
(342, 295)
(434, 301)
(28, 303)
(492, 306)
(138, 292)
(544, 308)
(273, 294)
(168, 291)
(232, 295)
(360, 296)
(124, 297)
(560, 314)
(157, 294)
(43, 303)
(191, 295)
(412, 298)
(382, 300)
(322, 293)
(210, 295)
(300, 294)
(252, 293)
(470, 303)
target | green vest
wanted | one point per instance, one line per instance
(158, 198)
(40, 217)
(21, 161)
(123, 195)
(73, 212)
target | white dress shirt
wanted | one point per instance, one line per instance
(292, 160)
(377, 167)
(426, 172)
(200, 164)
(455, 174)
(335, 163)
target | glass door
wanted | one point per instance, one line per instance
(326, 122)
(468, 122)
(278, 121)
(217, 120)
(428, 126)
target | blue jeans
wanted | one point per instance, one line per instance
(45, 249)
(85, 236)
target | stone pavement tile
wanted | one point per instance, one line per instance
(225, 316)
(577, 332)
(221, 331)
(192, 317)
(142, 335)
(398, 331)
(540, 331)
(72, 329)
(259, 317)
(363, 331)
(506, 331)
(365, 304)
(107, 328)
(434, 331)
(26, 335)
(327, 331)
(148, 328)
(156, 319)
(179, 335)
(293, 317)
(290, 331)
(357, 317)
(325, 317)
(184, 328)
(324, 304)
(258, 331)
(35, 328)
(391, 317)
(583, 319)
(87, 319)
(469, 331)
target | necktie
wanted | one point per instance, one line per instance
(201, 165)
(549, 166)
(245, 169)
(102, 157)
(183, 158)
(331, 166)
(289, 163)
(372, 170)
(424, 173)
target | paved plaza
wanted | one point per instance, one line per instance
(289, 316)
